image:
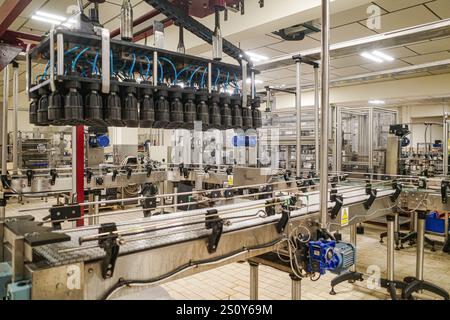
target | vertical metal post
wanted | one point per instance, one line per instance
(253, 281)
(390, 219)
(316, 116)
(421, 216)
(335, 127)
(209, 77)
(5, 120)
(253, 84)
(15, 114)
(353, 238)
(338, 141)
(371, 128)
(74, 164)
(298, 111)
(51, 68)
(325, 111)
(155, 68)
(244, 83)
(296, 287)
(60, 54)
(445, 144)
(96, 219)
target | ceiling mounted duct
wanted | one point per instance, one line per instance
(299, 31)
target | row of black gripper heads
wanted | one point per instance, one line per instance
(74, 103)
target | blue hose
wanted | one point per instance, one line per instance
(45, 71)
(183, 70)
(217, 78)
(148, 67)
(161, 71)
(111, 62)
(226, 81)
(192, 75)
(74, 62)
(94, 64)
(130, 72)
(173, 67)
(202, 82)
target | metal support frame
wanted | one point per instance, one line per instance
(445, 145)
(209, 77)
(298, 110)
(371, 169)
(325, 102)
(254, 268)
(296, 287)
(244, 65)
(5, 120)
(420, 245)
(317, 116)
(390, 246)
(15, 115)
(353, 240)
(155, 68)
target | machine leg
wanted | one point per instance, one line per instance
(351, 275)
(253, 281)
(296, 283)
(417, 283)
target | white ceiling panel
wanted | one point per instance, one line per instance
(441, 8)
(431, 46)
(347, 32)
(33, 7)
(385, 66)
(394, 5)
(350, 16)
(348, 61)
(296, 46)
(398, 53)
(349, 71)
(406, 18)
(267, 52)
(256, 42)
(278, 74)
(428, 58)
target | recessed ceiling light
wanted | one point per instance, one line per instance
(382, 55)
(51, 16)
(256, 57)
(370, 56)
(377, 102)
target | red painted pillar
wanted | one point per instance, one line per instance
(80, 171)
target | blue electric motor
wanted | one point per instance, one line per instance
(331, 255)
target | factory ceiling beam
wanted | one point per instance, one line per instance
(23, 36)
(149, 15)
(180, 17)
(9, 11)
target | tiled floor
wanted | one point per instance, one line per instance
(232, 281)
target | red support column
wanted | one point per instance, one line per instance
(80, 171)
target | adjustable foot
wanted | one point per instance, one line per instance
(392, 287)
(418, 285)
(349, 276)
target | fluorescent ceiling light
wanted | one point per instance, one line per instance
(370, 56)
(377, 102)
(256, 81)
(256, 57)
(383, 56)
(51, 16)
(46, 20)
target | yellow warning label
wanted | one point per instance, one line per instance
(344, 216)
(230, 181)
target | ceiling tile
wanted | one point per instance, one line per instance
(32, 8)
(348, 32)
(267, 52)
(350, 71)
(400, 52)
(441, 8)
(296, 46)
(391, 5)
(350, 16)
(428, 58)
(385, 66)
(278, 74)
(406, 18)
(431, 46)
(349, 61)
(256, 42)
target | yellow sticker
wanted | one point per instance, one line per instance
(344, 216)
(230, 180)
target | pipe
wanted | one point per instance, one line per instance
(5, 120)
(445, 144)
(15, 115)
(317, 115)
(74, 163)
(298, 106)
(421, 216)
(390, 246)
(296, 287)
(244, 83)
(253, 281)
(325, 63)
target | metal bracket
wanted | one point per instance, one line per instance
(281, 225)
(58, 214)
(339, 200)
(212, 221)
(114, 175)
(398, 190)
(149, 170)
(444, 190)
(149, 203)
(111, 247)
(30, 175)
(372, 197)
(54, 175)
(89, 175)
